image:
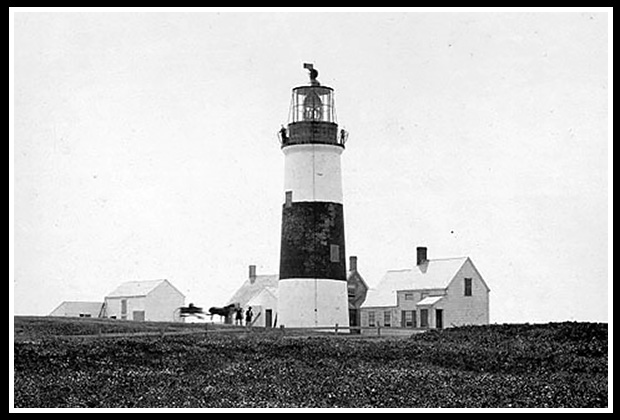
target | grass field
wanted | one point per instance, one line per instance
(547, 365)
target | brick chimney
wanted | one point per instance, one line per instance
(352, 263)
(252, 274)
(421, 255)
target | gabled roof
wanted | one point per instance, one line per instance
(136, 288)
(357, 276)
(434, 274)
(250, 288)
(266, 296)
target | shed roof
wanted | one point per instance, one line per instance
(251, 288)
(430, 300)
(434, 274)
(79, 307)
(136, 288)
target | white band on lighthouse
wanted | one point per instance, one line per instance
(313, 303)
(312, 172)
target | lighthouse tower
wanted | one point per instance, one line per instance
(312, 290)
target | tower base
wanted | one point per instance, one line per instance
(312, 303)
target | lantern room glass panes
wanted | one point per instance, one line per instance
(312, 103)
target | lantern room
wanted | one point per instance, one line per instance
(312, 115)
(312, 103)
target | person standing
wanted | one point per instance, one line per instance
(239, 316)
(248, 316)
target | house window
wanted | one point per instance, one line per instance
(371, 319)
(424, 318)
(351, 291)
(467, 287)
(85, 315)
(408, 319)
(408, 296)
(387, 318)
(334, 253)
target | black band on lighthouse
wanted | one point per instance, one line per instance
(312, 241)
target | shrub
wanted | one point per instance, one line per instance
(555, 365)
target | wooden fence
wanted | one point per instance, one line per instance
(348, 330)
(209, 328)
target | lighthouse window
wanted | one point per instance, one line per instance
(334, 253)
(288, 198)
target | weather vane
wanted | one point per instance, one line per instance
(313, 73)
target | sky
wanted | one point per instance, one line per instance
(145, 147)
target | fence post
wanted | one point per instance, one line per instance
(282, 330)
(336, 329)
(378, 331)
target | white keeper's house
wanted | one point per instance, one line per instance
(436, 293)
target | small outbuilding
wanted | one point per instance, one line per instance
(264, 306)
(78, 309)
(261, 293)
(152, 300)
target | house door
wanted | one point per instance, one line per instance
(268, 318)
(424, 318)
(123, 308)
(439, 318)
(353, 318)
